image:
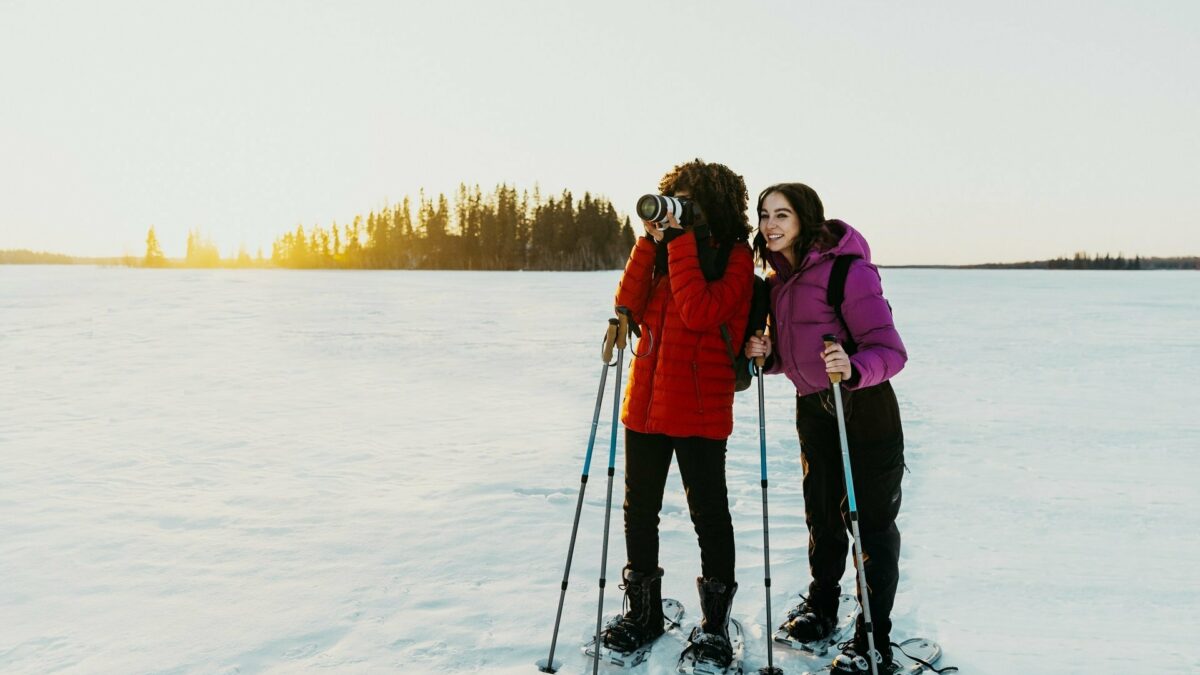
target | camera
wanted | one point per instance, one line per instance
(655, 208)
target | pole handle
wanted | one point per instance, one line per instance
(625, 327)
(610, 338)
(830, 339)
(759, 360)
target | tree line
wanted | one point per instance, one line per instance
(498, 230)
(26, 257)
(1083, 261)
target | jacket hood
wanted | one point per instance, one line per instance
(850, 243)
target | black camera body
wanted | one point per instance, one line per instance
(656, 208)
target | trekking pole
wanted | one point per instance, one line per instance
(549, 665)
(770, 668)
(835, 380)
(623, 329)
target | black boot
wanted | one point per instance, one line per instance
(856, 654)
(710, 642)
(643, 619)
(815, 618)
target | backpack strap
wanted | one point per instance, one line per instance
(760, 310)
(728, 343)
(718, 260)
(713, 259)
(835, 293)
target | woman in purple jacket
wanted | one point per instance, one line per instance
(800, 246)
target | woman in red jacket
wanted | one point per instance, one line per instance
(679, 400)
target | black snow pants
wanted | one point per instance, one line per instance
(702, 469)
(877, 461)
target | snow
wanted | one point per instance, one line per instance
(285, 471)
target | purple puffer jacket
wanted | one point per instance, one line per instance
(802, 316)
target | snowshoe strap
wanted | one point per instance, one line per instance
(623, 635)
(947, 669)
(708, 647)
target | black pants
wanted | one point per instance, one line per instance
(702, 468)
(877, 462)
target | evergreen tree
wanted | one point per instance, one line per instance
(406, 250)
(521, 242)
(298, 251)
(625, 243)
(326, 251)
(508, 221)
(441, 225)
(154, 255)
(200, 251)
(466, 218)
(354, 249)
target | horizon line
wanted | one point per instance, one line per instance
(181, 262)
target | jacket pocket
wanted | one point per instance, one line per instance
(696, 382)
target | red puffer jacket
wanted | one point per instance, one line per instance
(681, 383)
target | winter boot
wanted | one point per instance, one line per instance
(710, 642)
(643, 619)
(855, 655)
(815, 618)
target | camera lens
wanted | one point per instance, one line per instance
(650, 207)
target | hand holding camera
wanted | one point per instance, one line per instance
(659, 212)
(657, 231)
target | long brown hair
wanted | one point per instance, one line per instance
(814, 232)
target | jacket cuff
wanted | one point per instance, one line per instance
(772, 366)
(855, 378)
(646, 243)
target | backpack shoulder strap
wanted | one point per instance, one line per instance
(728, 342)
(835, 293)
(713, 261)
(760, 309)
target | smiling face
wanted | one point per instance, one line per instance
(779, 225)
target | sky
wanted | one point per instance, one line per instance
(947, 132)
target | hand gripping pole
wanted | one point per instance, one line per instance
(770, 668)
(624, 326)
(835, 380)
(549, 665)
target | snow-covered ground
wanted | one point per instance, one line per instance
(274, 471)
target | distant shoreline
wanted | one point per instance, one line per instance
(1136, 264)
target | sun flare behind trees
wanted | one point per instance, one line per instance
(501, 230)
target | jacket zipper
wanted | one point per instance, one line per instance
(696, 381)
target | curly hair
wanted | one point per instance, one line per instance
(719, 191)
(811, 214)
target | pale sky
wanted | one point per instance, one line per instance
(947, 132)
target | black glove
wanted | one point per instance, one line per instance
(670, 233)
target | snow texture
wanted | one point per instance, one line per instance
(289, 472)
